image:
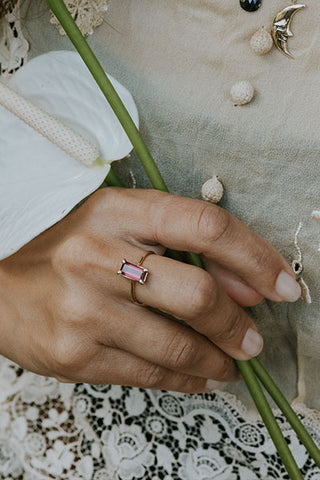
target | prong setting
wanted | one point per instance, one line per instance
(133, 272)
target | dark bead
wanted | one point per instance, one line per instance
(250, 5)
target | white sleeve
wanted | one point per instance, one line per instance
(40, 182)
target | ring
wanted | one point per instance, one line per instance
(135, 273)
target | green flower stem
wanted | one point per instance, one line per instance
(61, 12)
(194, 259)
(175, 255)
(59, 9)
(113, 180)
(269, 420)
(286, 408)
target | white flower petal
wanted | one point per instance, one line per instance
(40, 184)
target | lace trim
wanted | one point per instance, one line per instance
(13, 46)
(51, 430)
(88, 14)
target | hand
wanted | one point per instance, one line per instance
(66, 313)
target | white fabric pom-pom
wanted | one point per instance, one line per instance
(212, 190)
(316, 215)
(261, 42)
(242, 93)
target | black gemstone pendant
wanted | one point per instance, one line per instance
(250, 5)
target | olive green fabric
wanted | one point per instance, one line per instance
(179, 59)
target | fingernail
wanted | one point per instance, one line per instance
(252, 343)
(287, 287)
(214, 385)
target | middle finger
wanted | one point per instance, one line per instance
(191, 294)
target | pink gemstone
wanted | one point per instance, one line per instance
(133, 272)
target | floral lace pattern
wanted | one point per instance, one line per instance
(13, 46)
(88, 14)
(51, 430)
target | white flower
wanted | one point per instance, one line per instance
(203, 464)
(127, 448)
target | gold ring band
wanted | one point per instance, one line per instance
(133, 283)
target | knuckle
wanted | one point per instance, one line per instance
(212, 224)
(66, 359)
(63, 357)
(74, 309)
(202, 294)
(232, 329)
(227, 369)
(105, 198)
(181, 352)
(153, 376)
(74, 253)
(261, 258)
(161, 204)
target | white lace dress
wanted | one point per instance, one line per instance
(50, 430)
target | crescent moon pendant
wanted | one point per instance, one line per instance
(281, 27)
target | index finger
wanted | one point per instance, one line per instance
(192, 225)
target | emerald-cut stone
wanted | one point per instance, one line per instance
(133, 272)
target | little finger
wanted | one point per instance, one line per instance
(115, 367)
(167, 343)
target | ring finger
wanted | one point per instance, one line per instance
(191, 294)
